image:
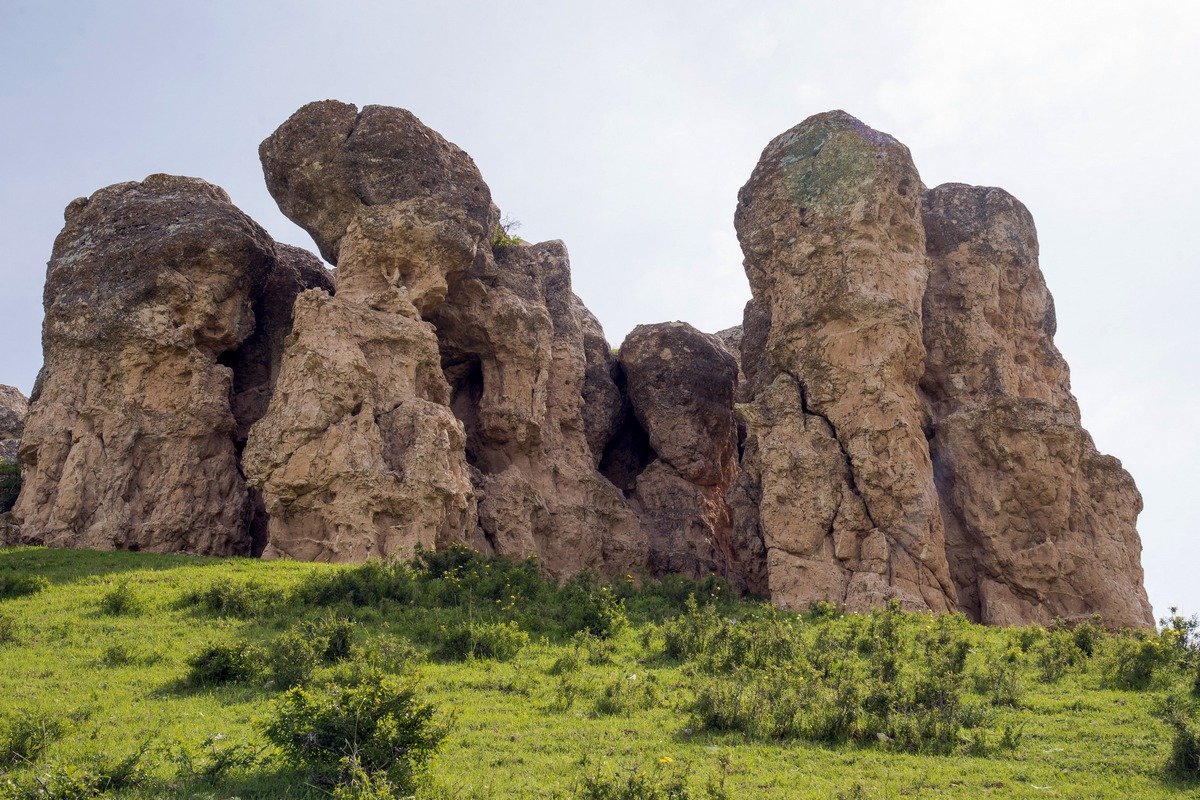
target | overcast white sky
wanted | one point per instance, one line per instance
(626, 128)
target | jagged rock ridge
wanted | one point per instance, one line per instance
(890, 420)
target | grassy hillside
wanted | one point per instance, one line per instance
(134, 675)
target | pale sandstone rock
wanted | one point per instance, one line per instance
(359, 454)
(1038, 524)
(513, 349)
(830, 226)
(129, 441)
(681, 385)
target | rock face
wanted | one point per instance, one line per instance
(830, 224)
(515, 351)
(359, 454)
(13, 407)
(129, 441)
(1038, 524)
(681, 385)
(890, 420)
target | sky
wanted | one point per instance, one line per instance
(626, 128)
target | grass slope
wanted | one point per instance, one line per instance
(539, 724)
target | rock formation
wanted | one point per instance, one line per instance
(13, 407)
(129, 441)
(1038, 524)
(359, 455)
(830, 224)
(681, 385)
(890, 420)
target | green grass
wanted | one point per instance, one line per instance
(104, 651)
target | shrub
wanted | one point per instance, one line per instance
(503, 236)
(1055, 655)
(243, 600)
(333, 637)
(376, 725)
(363, 785)
(595, 609)
(390, 654)
(1132, 661)
(121, 600)
(664, 781)
(291, 659)
(220, 664)
(121, 654)
(999, 678)
(10, 484)
(627, 694)
(500, 641)
(96, 778)
(368, 584)
(24, 737)
(1184, 760)
(214, 761)
(20, 584)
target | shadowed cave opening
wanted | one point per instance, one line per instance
(465, 376)
(628, 451)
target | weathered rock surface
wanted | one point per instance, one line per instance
(129, 441)
(681, 385)
(830, 224)
(379, 175)
(359, 454)
(1038, 524)
(514, 352)
(13, 407)
(891, 418)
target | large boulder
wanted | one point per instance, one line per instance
(129, 441)
(830, 225)
(387, 181)
(681, 385)
(1039, 524)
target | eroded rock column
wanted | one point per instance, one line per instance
(836, 455)
(129, 441)
(681, 384)
(359, 454)
(1039, 524)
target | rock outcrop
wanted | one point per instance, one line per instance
(890, 420)
(129, 441)
(830, 224)
(13, 407)
(681, 385)
(515, 350)
(359, 455)
(1039, 525)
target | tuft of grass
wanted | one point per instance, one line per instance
(20, 584)
(122, 601)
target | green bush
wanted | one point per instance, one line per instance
(626, 694)
(664, 781)
(214, 761)
(97, 778)
(499, 641)
(376, 725)
(25, 736)
(220, 664)
(291, 659)
(1133, 660)
(595, 609)
(122, 601)
(1056, 654)
(20, 584)
(243, 600)
(1184, 760)
(10, 484)
(998, 678)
